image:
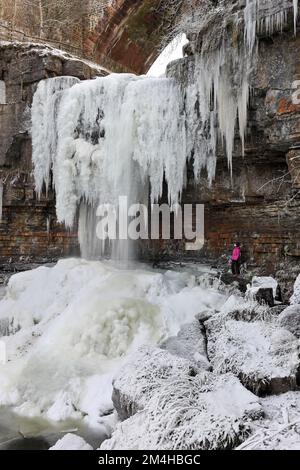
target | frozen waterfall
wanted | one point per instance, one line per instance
(124, 135)
(112, 137)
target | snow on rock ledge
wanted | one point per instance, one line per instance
(295, 299)
(290, 319)
(190, 343)
(280, 429)
(71, 442)
(184, 411)
(142, 375)
(264, 356)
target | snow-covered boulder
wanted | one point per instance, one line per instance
(280, 428)
(190, 343)
(71, 442)
(295, 299)
(290, 319)
(264, 282)
(264, 356)
(148, 370)
(188, 412)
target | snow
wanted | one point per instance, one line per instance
(295, 299)
(245, 339)
(262, 282)
(44, 132)
(121, 135)
(2, 92)
(262, 16)
(173, 51)
(72, 326)
(190, 343)
(71, 442)
(94, 166)
(185, 412)
(289, 318)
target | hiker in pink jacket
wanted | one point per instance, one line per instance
(236, 259)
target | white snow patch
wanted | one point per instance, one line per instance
(295, 299)
(71, 442)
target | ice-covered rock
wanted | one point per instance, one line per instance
(295, 299)
(264, 356)
(71, 442)
(264, 295)
(263, 289)
(280, 428)
(190, 343)
(240, 309)
(188, 412)
(148, 370)
(290, 319)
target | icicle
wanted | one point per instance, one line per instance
(270, 23)
(295, 5)
(44, 129)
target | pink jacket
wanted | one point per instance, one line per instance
(236, 254)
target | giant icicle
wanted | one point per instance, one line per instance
(111, 136)
(262, 16)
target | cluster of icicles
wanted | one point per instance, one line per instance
(264, 16)
(121, 135)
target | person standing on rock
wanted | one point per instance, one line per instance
(236, 259)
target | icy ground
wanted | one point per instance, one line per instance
(81, 338)
(68, 330)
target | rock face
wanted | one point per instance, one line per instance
(28, 229)
(279, 430)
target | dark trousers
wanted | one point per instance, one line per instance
(235, 267)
